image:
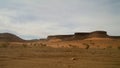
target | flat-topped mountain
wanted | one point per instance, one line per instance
(8, 37)
(83, 35)
(96, 39)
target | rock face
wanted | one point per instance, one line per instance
(7, 37)
(83, 35)
(95, 34)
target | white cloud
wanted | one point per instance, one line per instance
(40, 18)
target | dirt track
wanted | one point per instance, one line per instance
(46, 57)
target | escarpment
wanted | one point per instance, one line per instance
(82, 36)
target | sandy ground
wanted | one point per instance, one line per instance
(47, 57)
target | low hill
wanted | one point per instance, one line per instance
(8, 37)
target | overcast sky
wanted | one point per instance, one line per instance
(32, 19)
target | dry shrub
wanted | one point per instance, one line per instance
(43, 45)
(72, 46)
(5, 45)
(87, 46)
(109, 47)
(24, 45)
(118, 47)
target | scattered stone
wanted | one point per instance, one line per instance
(73, 58)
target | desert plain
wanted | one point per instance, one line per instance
(98, 51)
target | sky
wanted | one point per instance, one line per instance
(34, 19)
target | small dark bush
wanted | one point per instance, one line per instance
(118, 47)
(35, 44)
(72, 46)
(42, 45)
(24, 45)
(109, 47)
(87, 46)
(92, 43)
(4, 45)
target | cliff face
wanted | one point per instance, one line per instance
(82, 36)
(7, 37)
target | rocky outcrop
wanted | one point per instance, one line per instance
(7, 37)
(81, 35)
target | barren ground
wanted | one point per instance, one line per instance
(46, 57)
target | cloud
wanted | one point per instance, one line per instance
(39, 18)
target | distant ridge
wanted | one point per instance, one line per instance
(8, 37)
